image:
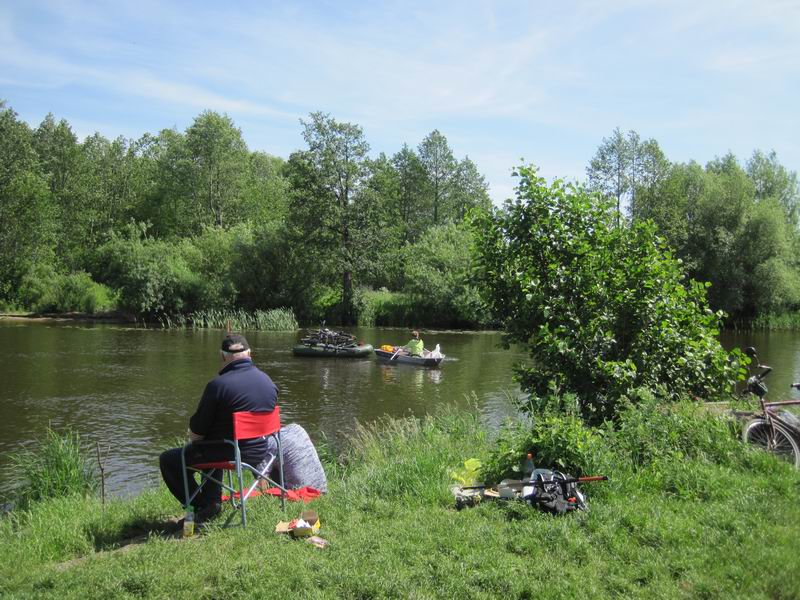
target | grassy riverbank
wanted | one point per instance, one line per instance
(721, 522)
(279, 319)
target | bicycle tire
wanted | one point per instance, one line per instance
(784, 445)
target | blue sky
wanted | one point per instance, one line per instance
(503, 80)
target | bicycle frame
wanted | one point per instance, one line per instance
(770, 430)
(771, 416)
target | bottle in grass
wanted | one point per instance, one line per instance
(528, 467)
(188, 522)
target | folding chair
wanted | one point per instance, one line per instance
(246, 425)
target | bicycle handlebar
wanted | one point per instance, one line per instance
(767, 370)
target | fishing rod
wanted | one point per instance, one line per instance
(522, 484)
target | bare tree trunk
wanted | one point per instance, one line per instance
(347, 297)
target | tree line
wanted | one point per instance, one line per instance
(733, 226)
(176, 222)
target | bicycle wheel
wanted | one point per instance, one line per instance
(782, 444)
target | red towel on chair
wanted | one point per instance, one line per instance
(305, 494)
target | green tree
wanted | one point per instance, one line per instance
(608, 170)
(438, 279)
(270, 271)
(408, 199)
(27, 216)
(772, 180)
(440, 166)
(205, 177)
(265, 195)
(625, 167)
(218, 158)
(745, 246)
(650, 167)
(673, 205)
(387, 223)
(153, 277)
(326, 181)
(213, 256)
(165, 170)
(469, 190)
(111, 186)
(602, 310)
(64, 168)
(766, 250)
(58, 151)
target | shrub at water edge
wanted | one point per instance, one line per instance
(603, 309)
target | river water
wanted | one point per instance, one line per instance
(134, 389)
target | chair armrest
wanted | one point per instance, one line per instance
(206, 443)
(209, 443)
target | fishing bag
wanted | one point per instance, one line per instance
(548, 492)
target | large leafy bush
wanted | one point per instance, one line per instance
(603, 309)
(152, 276)
(213, 255)
(44, 290)
(438, 272)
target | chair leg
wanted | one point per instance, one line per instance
(280, 470)
(232, 497)
(242, 498)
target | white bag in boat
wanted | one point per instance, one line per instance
(435, 353)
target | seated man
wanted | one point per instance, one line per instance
(240, 386)
(415, 347)
(301, 464)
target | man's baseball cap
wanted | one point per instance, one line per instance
(235, 342)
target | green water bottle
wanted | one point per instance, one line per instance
(188, 522)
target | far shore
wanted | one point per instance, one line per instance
(73, 316)
(115, 317)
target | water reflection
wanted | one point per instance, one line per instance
(388, 373)
(435, 376)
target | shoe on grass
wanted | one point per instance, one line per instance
(207, 513)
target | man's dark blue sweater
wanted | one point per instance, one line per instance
(239, 387)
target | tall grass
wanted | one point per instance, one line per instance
(54, 466)
(277, 319)
(773, 322)
(409, 457)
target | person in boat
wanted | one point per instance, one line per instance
(240, 386)
(414, 347)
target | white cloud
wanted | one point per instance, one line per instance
(193, 96)
(500, 79)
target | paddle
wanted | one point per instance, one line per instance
(396, 351)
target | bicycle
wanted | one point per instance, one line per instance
(328, 337)
(775, 430)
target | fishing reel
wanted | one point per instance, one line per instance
(755, 383)
(756, 386)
